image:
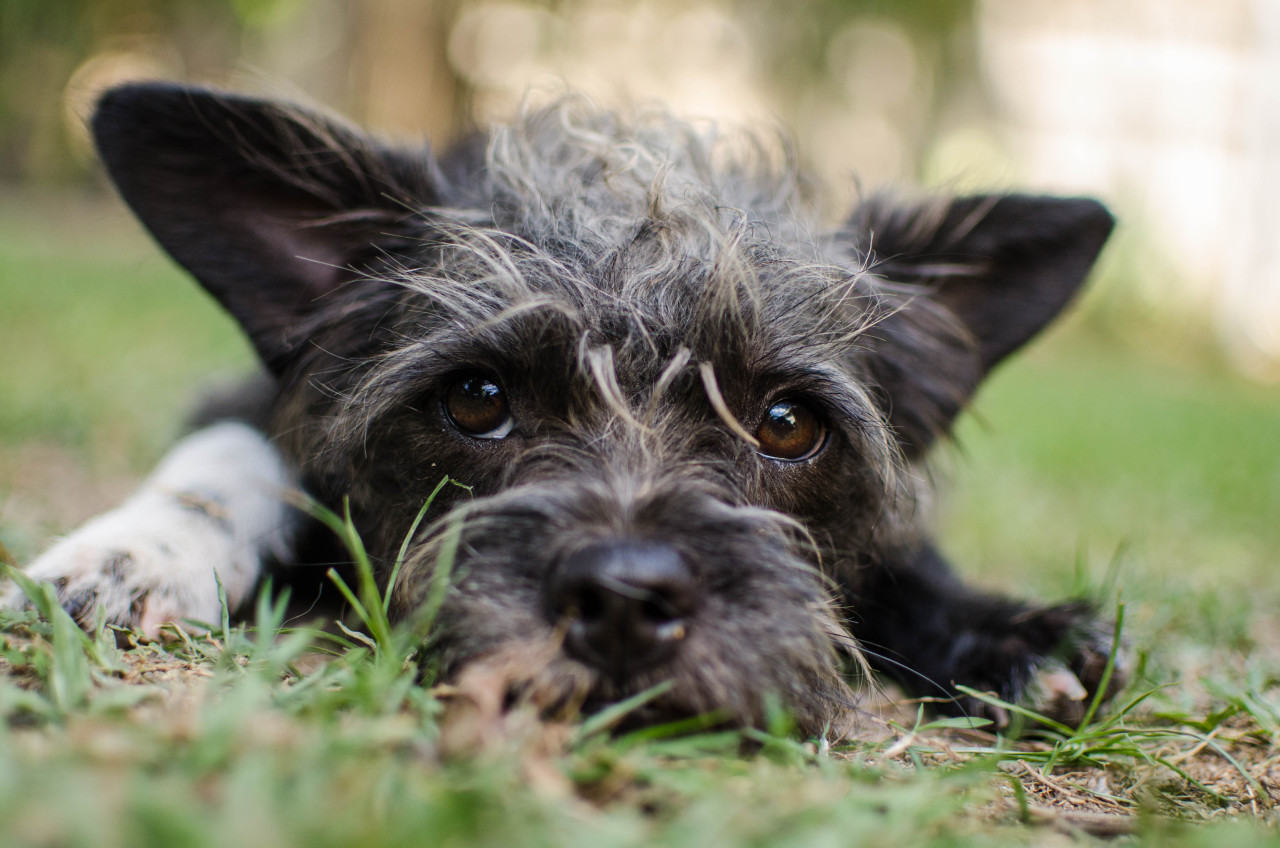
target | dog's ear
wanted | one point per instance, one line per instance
(986, 274)
(268, 206)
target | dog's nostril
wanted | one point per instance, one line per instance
(625, 604)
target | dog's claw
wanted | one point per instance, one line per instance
(1064, 692)
(1056, 693)
(1057, 682)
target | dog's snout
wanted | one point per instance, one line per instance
(625, 604)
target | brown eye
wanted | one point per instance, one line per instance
(790, 431)
(478, 407)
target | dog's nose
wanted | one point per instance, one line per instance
(625, 604)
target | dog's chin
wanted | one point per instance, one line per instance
(536, 676)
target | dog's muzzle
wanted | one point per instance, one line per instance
(625, 605)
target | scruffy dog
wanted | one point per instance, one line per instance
(691, 418)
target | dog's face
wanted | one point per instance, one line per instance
(686, 416)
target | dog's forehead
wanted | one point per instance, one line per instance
(631, 254)
(729, 295)
(644, 211)
(645, 236)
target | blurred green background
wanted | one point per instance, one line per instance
(1137, 447)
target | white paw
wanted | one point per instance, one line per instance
(148, 562)
(212, 507)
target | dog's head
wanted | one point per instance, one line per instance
(686, 413)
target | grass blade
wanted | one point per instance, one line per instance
(988, 698)
(337, 580)
(614, 713)
(441, 579)
(408, 537)
(370, 607)
(1108, 670)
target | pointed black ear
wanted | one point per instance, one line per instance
(986, 274)
(268, 206)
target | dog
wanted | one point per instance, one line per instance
(690, 418)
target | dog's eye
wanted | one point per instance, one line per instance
(478, 407)
(790, 431)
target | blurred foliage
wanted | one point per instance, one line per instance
(46, 46)
(42, 44)
(797, 40)
(811, 23)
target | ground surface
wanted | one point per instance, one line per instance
(1107, 460)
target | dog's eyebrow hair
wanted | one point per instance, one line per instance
(600, 364)
(669, 374)
(722, 408)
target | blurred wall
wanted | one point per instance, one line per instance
(1171, 108)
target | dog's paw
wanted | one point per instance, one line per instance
(1050, 660)
(1062, 689)
(150, 561)
(211, 508)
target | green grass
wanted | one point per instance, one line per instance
(1093, 465)
(100, 338)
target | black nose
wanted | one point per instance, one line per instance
(626, 604)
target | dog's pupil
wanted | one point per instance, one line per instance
(789, 431)
(476, 404)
